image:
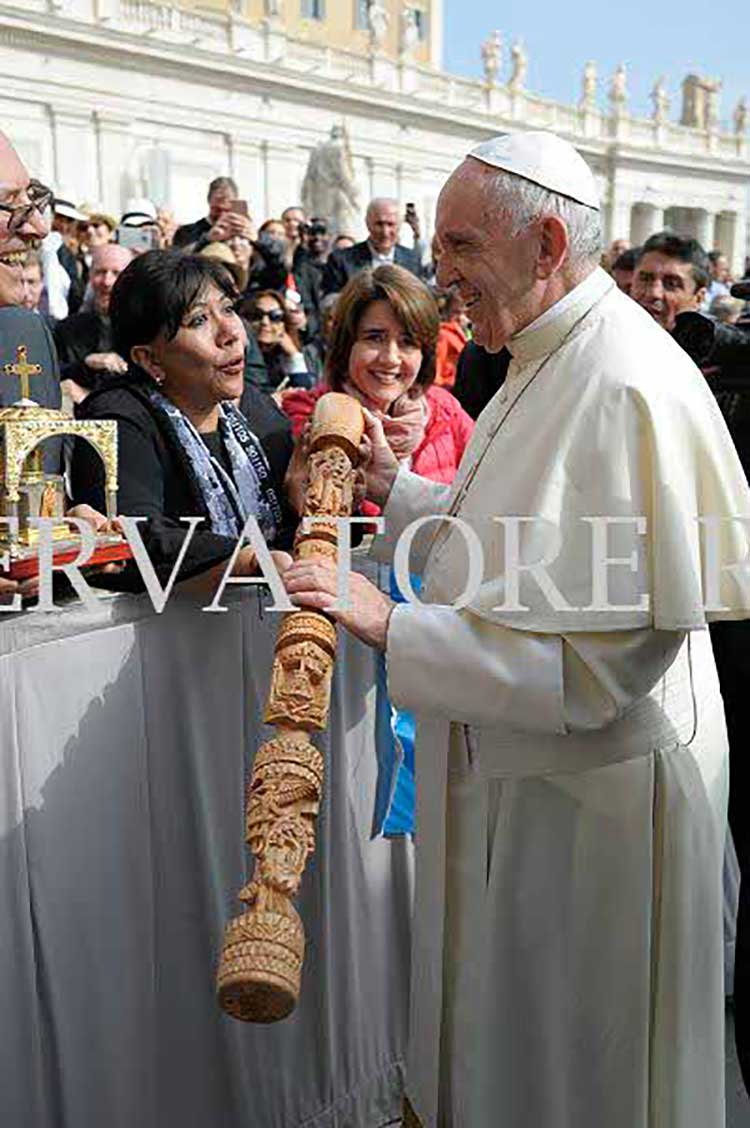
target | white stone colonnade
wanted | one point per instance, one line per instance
(110, 99)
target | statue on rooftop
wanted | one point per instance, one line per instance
(519, 66)
(492, 53)
(588, 95)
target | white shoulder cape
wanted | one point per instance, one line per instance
(602, 415)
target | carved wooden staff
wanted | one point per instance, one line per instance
(261, 963)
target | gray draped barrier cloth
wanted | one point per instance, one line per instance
(126, 739)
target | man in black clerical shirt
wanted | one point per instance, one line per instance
(84, 340)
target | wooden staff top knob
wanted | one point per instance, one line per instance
(337, 421)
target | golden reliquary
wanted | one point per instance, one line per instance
(27, 491)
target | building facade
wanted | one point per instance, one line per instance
(110, 99)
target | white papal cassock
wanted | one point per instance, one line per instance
(571, 770)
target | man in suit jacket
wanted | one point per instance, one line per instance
(222, 191)
(381, 247)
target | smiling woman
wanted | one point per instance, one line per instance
(382, 352)
(185, 449)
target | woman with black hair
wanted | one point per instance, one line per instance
(184, 447)
(283, 361)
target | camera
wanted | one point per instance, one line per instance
(712, 344)
(315, 227)
(138, 239)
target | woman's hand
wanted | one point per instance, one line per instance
(74, 392)
(10, 588)
(295, 480)
(246, 563)
(404, 428)
(287, 345)
(98, 521)
(378, 460)
(106, 362)
(313, 583)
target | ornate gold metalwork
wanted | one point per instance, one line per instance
(261, 963)
(22, 369)
(25, 490)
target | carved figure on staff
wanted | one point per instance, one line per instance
(261, 965)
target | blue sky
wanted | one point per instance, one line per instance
(651, 39)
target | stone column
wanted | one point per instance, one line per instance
(725, 239)
(385, 179)
(739, 244)
(114, 142)
(74, 147)
(646, 219)
(247, 170)
(619, 216)
(703, 226)
(285, 171)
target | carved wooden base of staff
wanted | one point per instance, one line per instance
(261, 963)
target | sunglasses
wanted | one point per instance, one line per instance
(273, 315)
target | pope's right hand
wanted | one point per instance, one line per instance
(378, 460)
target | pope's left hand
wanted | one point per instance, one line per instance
(313, 583)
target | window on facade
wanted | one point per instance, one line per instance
(361, 10)
(421, 18)
(313, 9)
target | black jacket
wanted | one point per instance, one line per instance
(69, 263)
(156, 480)
(479, 374)
(343, 264)
(191, 233)
(76, 337)
(270, 272)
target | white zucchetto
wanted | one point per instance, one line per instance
(544, 159)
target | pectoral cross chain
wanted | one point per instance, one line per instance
(22, 369)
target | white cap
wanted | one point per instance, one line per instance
(544, 159)
(138, 212)
(63, 205)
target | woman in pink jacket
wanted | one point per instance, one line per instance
(382, 352)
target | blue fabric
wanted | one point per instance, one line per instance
(394, 742)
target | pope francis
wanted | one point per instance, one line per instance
(571, 750)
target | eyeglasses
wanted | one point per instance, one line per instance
(273, 315)
(40, 200)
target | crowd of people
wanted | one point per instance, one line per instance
(211, 342)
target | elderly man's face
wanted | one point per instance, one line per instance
(15, 241)
(494, 271)
(107, 265)
(720, 269)
(665, 287)
(383, 225)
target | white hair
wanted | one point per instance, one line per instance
(380, 202)
(521, 201)
(726, 308)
